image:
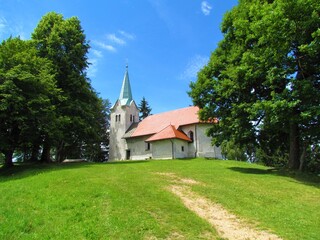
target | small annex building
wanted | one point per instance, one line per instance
(169, 135)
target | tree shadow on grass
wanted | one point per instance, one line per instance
(128, 162)
(305, 178)
(257, 171)
(20, 171)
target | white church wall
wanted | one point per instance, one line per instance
(169, 149)
(161, 149)
(204, 145)
(138, 148)
(192, 145)
(180, 148)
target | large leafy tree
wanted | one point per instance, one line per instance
(144, 108)
(262, 81)
(96, 149)
(27, 94)
(63, 42)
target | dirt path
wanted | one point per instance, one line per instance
(227, 225)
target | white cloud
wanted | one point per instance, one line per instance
(120, 40)
(206, 8)
(14, 28)
(3, 25)
(193, 67)
(113, 38)
(105, 46)
(93, 68)
(166, 14)
(97, 53)
(18, 30)
(111, 42)
(127, 35)
(94, 58)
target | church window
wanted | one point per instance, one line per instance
(191, 135)
(130, 117)
(133, 118)
(147, 146)
(182, 148)
(119, 117)
(116, 118)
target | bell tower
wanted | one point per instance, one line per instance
(123, 114)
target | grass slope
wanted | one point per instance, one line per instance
(128, 201)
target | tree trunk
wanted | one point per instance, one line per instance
(34, 153)
(8, 159)
(45, 156)
(60, 154)
(294, 162)
(303, 156)
(13, 138)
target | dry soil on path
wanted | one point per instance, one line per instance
(228, 225)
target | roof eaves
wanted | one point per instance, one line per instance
(170, 133)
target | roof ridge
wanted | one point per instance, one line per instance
(177, 118)
(167, 126)
(173, 134)
(174, 110)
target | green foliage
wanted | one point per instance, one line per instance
(128, 200)
(313, 155)
(231, 151)
(96, 150)
(47, 104)
(262, 81)
(27, 94)
(83, 122)
(144, 109)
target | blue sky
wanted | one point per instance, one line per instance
(164, 42)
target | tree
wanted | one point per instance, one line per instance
(62, 41)
(144, 108)
(231, 151)
(262, 81)
(27, 93)
(96, 150)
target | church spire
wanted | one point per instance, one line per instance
(125, 93)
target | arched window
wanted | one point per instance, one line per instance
(116, 118)
(191, 135)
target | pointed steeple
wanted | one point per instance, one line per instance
(125, 94)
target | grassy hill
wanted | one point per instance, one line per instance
(129, 200)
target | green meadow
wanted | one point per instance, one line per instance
(129, 200)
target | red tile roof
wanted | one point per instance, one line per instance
(158, 122)
(170, 132)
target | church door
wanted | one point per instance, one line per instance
(128, 154)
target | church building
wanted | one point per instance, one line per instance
(169, 135)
